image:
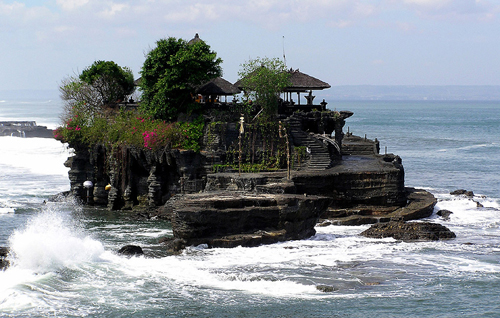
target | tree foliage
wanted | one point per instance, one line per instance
(111, 82)
(263, 79)
(170, 74)
(100, 85)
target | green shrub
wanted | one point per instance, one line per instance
(131, 128)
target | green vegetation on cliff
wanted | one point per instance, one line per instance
(131, 128)
(171, 73)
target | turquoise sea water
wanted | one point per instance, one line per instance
(65, 263)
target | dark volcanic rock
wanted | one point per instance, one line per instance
(445, 214)
(420, 204)
(414, 231)
(24, 129)
(462, 192)
(173, 245)
(326, 288)
(131, 250)
(226, 219)
(4, 264)
(4, 252)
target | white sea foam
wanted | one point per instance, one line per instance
(6, 210)
(468, 211)
(44, 156)
(50, 242)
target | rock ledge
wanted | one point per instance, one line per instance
(409, 231)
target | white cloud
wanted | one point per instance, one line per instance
(71, 4)
(454, 10)
(114, 9)
(17, 18)
(7, 9)
(428, 3)
(192, 13)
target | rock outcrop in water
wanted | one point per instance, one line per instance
(228, 219)
(420, 204)
(341, 179)
(24, 129)
(131, 250)
(410, 231)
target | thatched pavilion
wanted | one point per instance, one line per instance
(301, 83)
(217, 87)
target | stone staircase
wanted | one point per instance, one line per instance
(318, 151)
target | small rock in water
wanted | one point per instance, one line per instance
(4, 264)
(4, 251)
(445, 214)
(412, 231)
(326, 288)
(131, 250)
(462, 192)
(324, 223)
(173, 245)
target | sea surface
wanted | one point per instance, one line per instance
(65, 262)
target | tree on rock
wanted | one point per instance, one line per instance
(263, 79)
(100, 85)
(171, 73)
(111, 82)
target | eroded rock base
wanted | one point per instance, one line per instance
(229, 219)
(420, 204)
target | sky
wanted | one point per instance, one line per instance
(342, 42)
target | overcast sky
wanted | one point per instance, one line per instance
(343, 42)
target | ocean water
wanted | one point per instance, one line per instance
(65, 262)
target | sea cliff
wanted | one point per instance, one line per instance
(212, 202)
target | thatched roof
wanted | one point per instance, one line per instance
(302, 82)
(194, 40)
(218, 86)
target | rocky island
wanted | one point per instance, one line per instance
(253, 171)
(340, 179)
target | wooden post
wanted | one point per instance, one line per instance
(239, 156)
(242, 130)
(287, 155)
(280, 129)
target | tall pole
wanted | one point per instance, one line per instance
(242, 130)
(280, 129)
(287, 154)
